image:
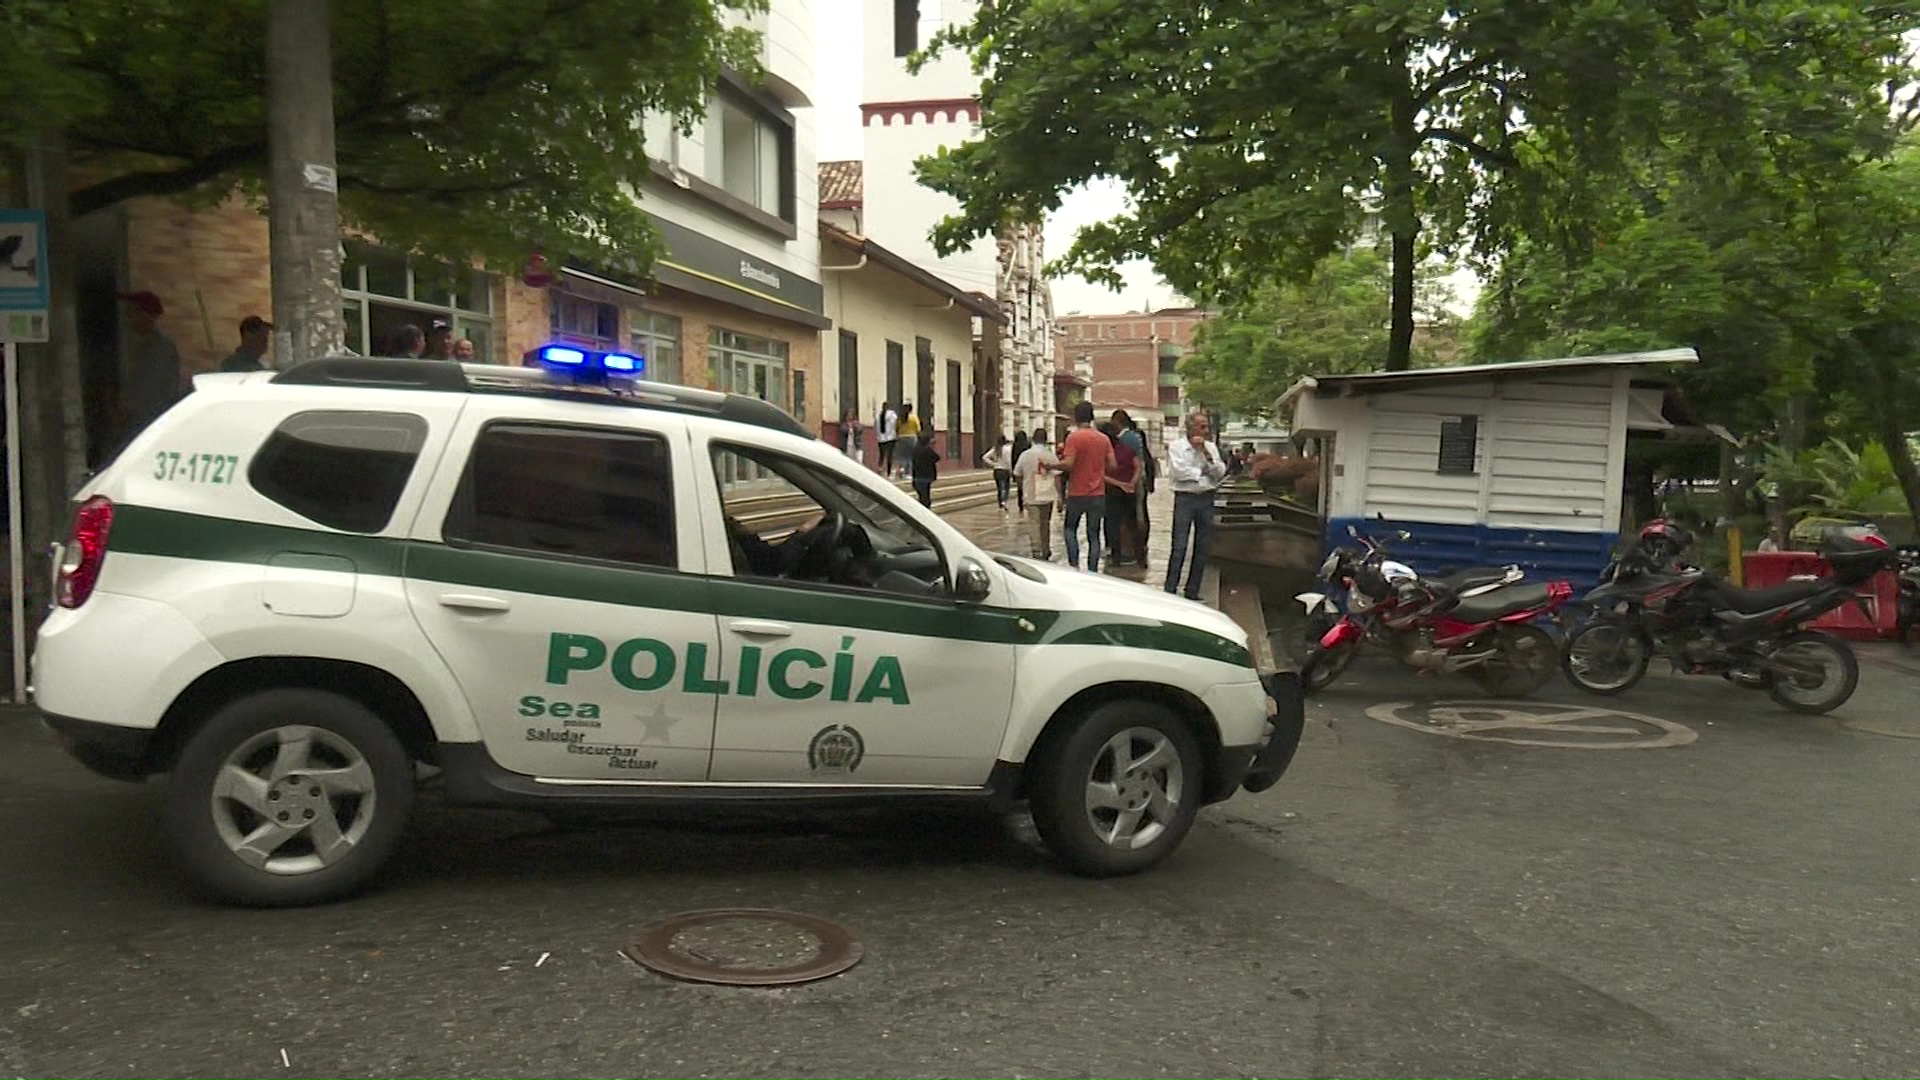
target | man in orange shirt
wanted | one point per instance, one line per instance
(1085, 457)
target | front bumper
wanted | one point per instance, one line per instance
(113, 751)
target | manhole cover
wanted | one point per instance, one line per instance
(745, 947)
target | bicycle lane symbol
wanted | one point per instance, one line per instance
(1519, 723)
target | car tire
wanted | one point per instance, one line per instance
(1143, 813)
(251, 790)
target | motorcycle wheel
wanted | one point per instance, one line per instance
(1606, 658)
(1801, 691)
(1324, 666)
(1524, 662)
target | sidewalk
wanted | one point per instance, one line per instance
(1007, 533)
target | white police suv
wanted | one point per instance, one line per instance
(559, 586)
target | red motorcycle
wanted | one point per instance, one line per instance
(1480, 622)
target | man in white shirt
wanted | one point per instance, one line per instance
(888, 432)
(1034, 472)
(1195, 469)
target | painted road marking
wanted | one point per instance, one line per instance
(1523, 723)
(1907, 728)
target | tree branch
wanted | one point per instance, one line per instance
(164, 181)
(1485, 155)
(1458, 75)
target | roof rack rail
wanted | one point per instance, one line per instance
(372, 372)
(377, 373)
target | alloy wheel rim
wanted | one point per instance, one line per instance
(293, 800)
(1134, 788)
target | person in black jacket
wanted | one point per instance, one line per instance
(926, 468)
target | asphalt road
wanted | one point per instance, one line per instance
(1406, 903)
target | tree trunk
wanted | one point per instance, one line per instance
(1890, 428)
(1402, 214)
(303, 212)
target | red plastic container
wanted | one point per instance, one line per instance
(1880, 592)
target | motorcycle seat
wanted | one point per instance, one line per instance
(1506, 600)
(1471, 578)
(1754, 601)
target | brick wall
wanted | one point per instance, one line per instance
(209, 267)
(698, 315)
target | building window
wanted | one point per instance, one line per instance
(750, 154)
(953, 408)
(896, 374)
(923, 385)
(906, 27)
(583, 322)
(382, 291)
(1459, 446)
(656, 338)
(744, 364)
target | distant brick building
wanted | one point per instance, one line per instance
(1129, 361)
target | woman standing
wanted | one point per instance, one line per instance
(1000, 460)
(1123, 479)
(909, 434)
(1020, 445)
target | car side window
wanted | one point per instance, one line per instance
(584, 493)
(342, 469)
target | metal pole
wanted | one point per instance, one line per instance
(16, 528)
(303, 212)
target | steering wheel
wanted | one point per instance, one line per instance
(821, 542)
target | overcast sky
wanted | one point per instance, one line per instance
(837, 116)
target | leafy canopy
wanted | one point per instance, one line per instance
(1284, 331)
(465, 128)
(1253, 139)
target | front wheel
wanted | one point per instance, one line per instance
(1812, 672)
(1325, 666)
(1523, 661)
(288, 797)
(1606, 658)
(1118, 793)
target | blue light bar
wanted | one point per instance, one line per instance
(625, 362)
(560, 354)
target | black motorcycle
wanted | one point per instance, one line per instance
(1907, 600)
(1650, 604)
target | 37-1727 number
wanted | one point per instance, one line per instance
(195, 468)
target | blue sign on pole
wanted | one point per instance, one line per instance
(23, 275)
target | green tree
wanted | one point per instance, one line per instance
(1334, 322)
(1254, 139)
(466, 128)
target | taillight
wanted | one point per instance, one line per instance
(1559, 592)
(86, 549)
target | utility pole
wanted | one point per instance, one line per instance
(303, 209)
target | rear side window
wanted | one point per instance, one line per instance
(344, 470)
(584, 493)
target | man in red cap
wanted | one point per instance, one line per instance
(150, 381)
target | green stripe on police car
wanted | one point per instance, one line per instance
(646, 664)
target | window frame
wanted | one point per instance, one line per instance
(1460, 426)
(357, 296)
(833, 481)
(460, 501)
(642, 336)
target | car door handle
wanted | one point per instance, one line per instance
(475, 602)
(760, 628)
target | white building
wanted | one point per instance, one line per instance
(735, 300)
(906, 116)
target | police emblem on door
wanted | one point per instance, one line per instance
(836, 749)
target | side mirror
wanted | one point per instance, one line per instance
(1403, 536)
(971, 583)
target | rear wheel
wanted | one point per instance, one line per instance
(1120, 791)
(1523, 661)
(288, 797)
(1606, 657)
(1812, 673)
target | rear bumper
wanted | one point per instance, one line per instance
(113, 751)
